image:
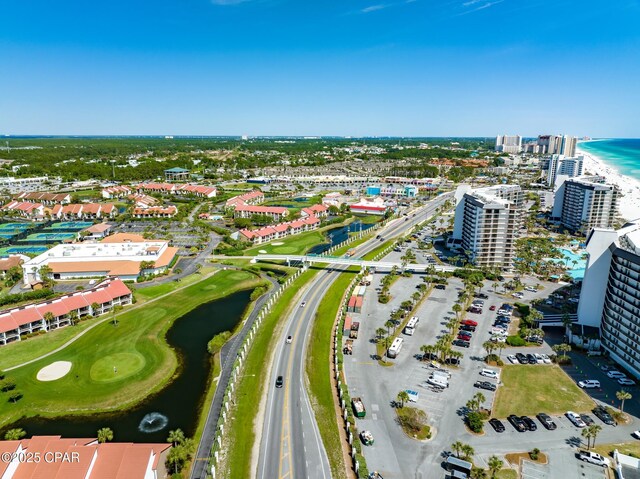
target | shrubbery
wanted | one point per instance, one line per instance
(474, 421)
(515, 341)
(28, 296)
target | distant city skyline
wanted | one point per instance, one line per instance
(403, 68)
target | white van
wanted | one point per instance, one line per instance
(438, 382)
(490, 373)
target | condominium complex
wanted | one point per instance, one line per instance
(557, 145)
(585, 203)
(560, 167)
(610, 296)
(487, 223)
(509, 144)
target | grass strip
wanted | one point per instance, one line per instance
(240, 435)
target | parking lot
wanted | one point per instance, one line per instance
(394, 454)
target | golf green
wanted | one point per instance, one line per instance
(116, 367)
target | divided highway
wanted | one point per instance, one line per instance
(291, 446)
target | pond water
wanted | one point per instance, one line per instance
(178, 404)
(339, 234)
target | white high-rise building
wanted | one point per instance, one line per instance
(562, 166)
(487, 221)
(585, 203)
(610, 296)
(509, 144)
(557, 145)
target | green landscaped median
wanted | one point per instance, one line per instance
(137, 344)
(547, 389)
(296, 244)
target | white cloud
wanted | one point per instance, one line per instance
(480, 7)
(228, 2)
(373, 8)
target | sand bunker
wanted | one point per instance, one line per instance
(54, 371)
(262, 251)
(277, 243)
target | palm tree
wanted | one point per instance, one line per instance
(176, 437)
(479, 399)
(14, 434)
(456, 308)
(73, 317)
(595, 430)
(500, 347)
(452, 324)
(402, 397)
(478, 473)
(94, 308)
(467, 451)
(105, 434)
(563, 348)
(389, 324)
(623, 396)
(428, 349)
(416, 297)
(48, 317)
(489, 346)
(495, 286)
(380, 333)
(495, 465)
(534, 317)
(457, 448)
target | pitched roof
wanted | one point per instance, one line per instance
(99, 228)
(124, 238)
(10, 262)
(278, 210)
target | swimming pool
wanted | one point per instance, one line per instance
(575, 270)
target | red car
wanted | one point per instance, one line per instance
(492, 308)
(469, 322)
(464, 337)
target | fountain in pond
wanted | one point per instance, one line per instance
(153, 422)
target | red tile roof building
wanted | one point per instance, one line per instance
(44, 198)
(31, 317)
(280, 230)
(85, 211)
(61, 458)
(247, 211)
(155, 212)
(179, 189)
(254, 197)
(25, 208)
(117, 191)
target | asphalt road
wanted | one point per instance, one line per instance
(291, 446)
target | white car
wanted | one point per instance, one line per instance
(303, 304)
(530, 289)
(289, 340)
(490, 373)
(636, 434)
(518, 295)
(498, 339)
(512, 359)
(575, 419)
(589, 384)
(539, 358)
(626, 382)
(594, 458)
(546, 358)
(613, 374)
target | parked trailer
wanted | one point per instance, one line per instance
(411, 326)
(348, 347)
(358, 407)
(395, 348)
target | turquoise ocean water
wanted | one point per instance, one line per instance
(621, 154)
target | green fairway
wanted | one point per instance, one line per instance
(297, 244)
(528, 390)
(135, 347)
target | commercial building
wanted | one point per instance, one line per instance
(584, 203)
(557, 145)
(508, 144)
(375, 206)
(176, 174)
(560, 167)
(610, 296)
(487, 221)
(408, 191)
(73, 458)
(32, 318)
(117, 255)
(17, 185)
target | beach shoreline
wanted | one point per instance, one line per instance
(629, 206)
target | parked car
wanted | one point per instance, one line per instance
(440, 286)
(546, 358)
(522, 359)
(485, 385)
(464, 336)
(531, 425)
(469, 322)
(626, 382)
(575, 419)
(602, 414)
(539, 359)
(481, 295)
(466, 327)
(518, 295)
(462, 343)
(517, 423)
(502, 317)
(594, 458)
(492, 307)
(546, 421)
(531, 359)
(496, 424)
(499, 338)
(587, 419)
(614, 374)
(589, 384)
(490, 373)
(279, 381)
(635, 434)
(512, 359)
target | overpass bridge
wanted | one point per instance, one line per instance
(310, 259)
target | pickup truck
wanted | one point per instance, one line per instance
(358, 407)
(353, 334)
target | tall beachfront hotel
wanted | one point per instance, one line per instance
(487, 221)
(610, 296)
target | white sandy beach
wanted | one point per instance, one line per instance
(630, 203)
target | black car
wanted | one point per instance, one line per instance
(466, 327)
(505, 319)
(440, 286)
(522, 359)
(602, 414)
(485, 385)
(531, 359)
(531, 425)
(517, 423)
(496, 424)
(546, 421)
(279, 382)
(588, 420)
(461, 343)
(481, 296)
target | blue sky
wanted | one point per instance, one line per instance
(350, 67)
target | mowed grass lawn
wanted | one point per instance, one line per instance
(528, 390)
(136, 346)
(297, 244)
